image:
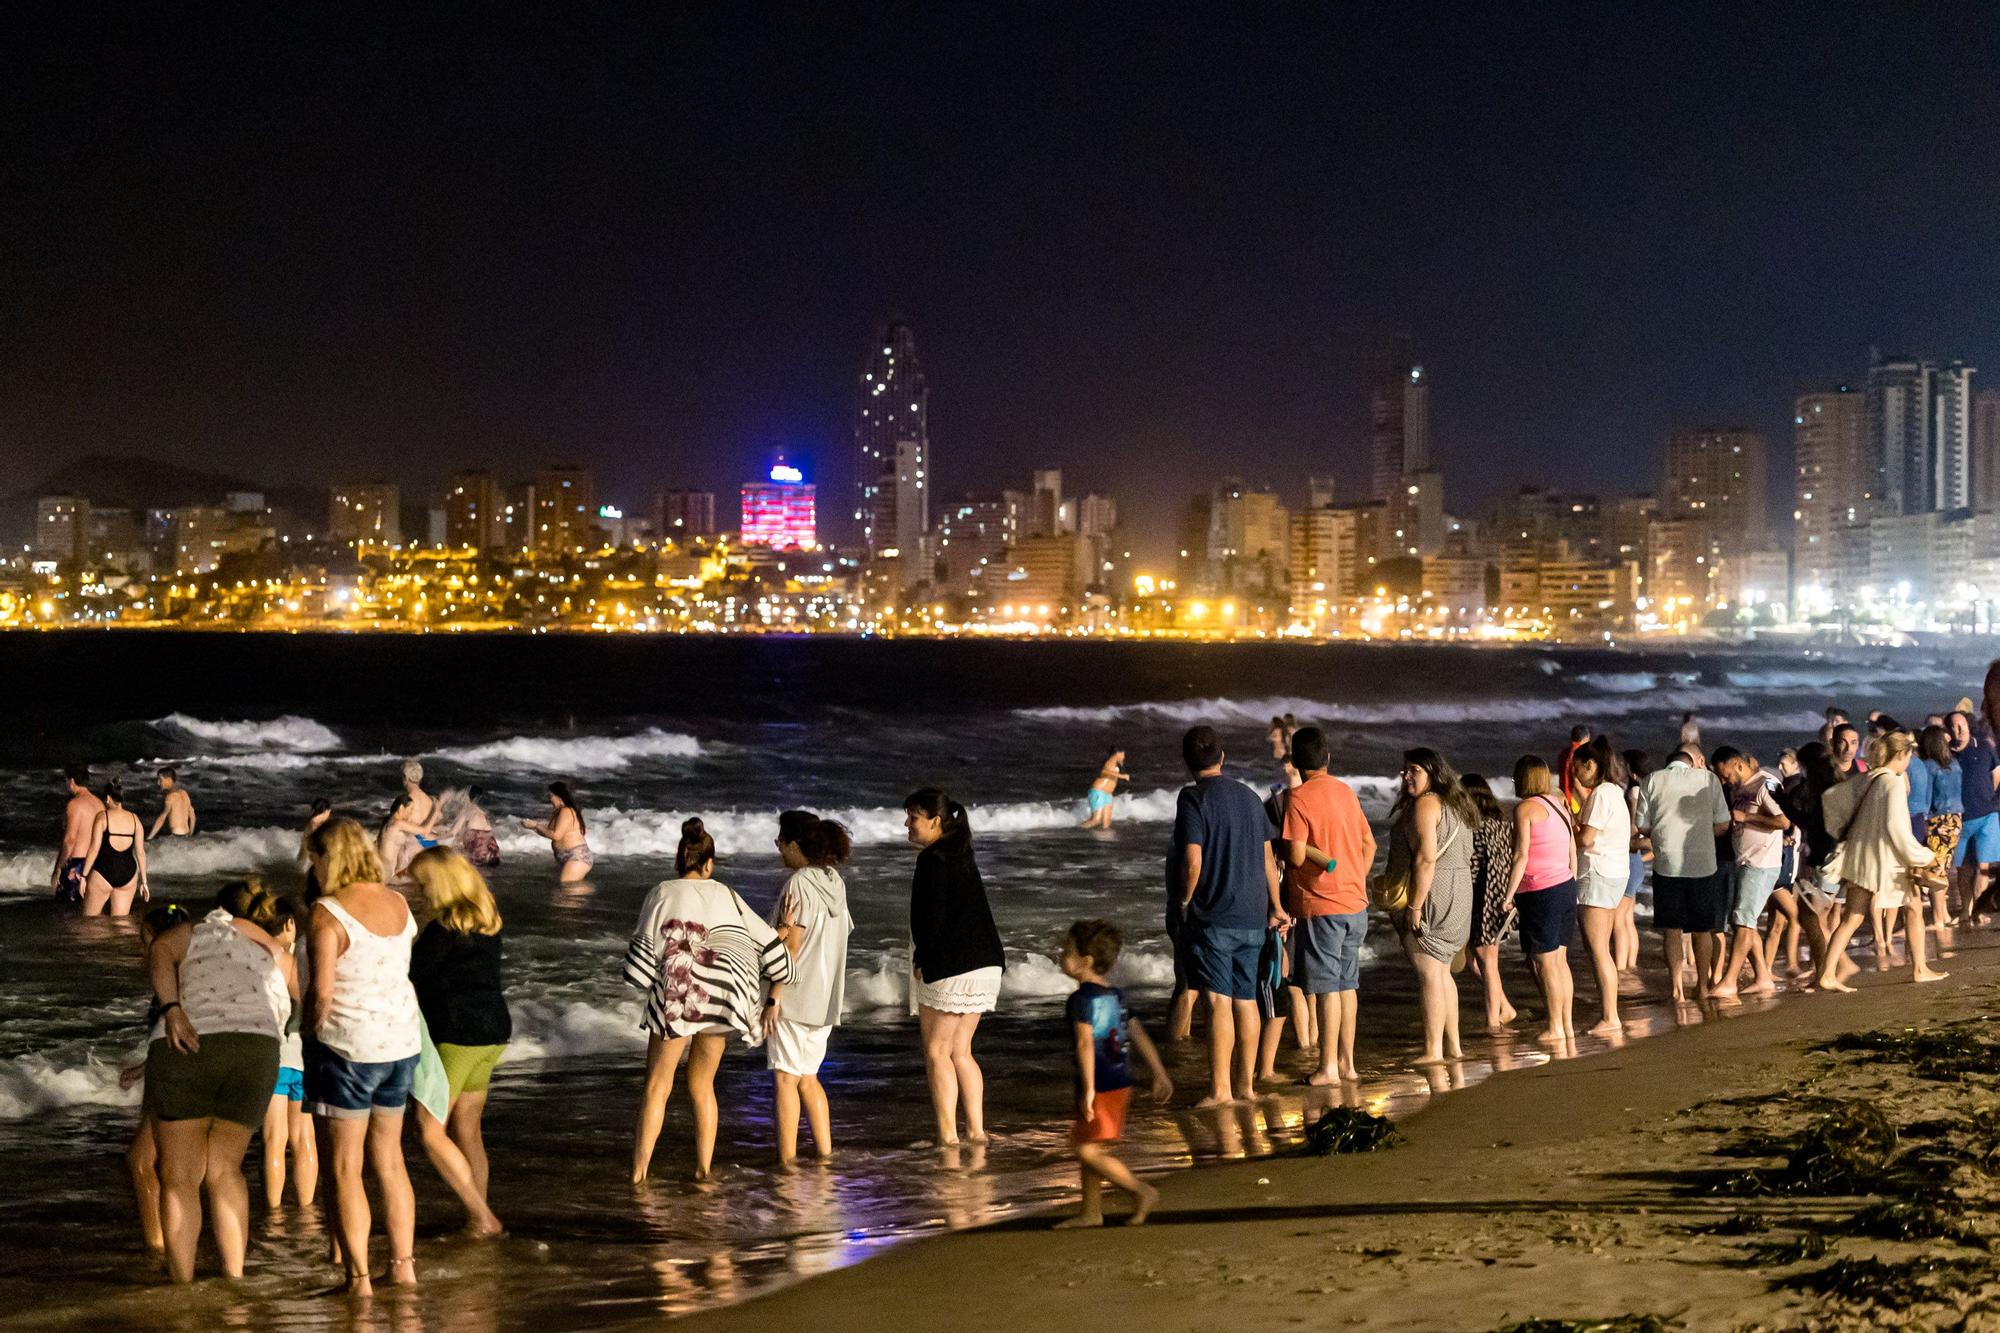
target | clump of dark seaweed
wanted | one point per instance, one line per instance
(1736, 1224)
(1343, 1129)
(1845, 1149)
(1621, 1323)
(1928, 1280)
(1799, 1249)
(1902, 1220)
(1948, 1053)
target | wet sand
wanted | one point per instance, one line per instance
(1571, 1190)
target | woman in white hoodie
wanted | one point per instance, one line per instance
(812, 919)
(1878, 853)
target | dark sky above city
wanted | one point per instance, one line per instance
(1150, 245)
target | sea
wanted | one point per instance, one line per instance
(735, 729)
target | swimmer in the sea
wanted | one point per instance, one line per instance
(1109, 775)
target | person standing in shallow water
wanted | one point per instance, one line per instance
(1543, 887)
(1103, 790)
(1493, 916)
(1431, 831)
(564, 830)
(1604, 835)
(956, 959)
(1328, 849)
(80, 812)
(176, 807)
(812, 919)
(115, 870)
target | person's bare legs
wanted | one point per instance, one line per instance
(1707, 955)
(1090, 1213)
(1499, 1010)
(183, 1163)
(785, 1114)
(350, 1155)
(329, 1195)
(1438, 998)
(971, 1079)
(1625, 935)
(1878, 929)
(142, 1159)
(448, 1160)
(819, 1115)
(1744, 947)
(663, 1058)
(1346, 1007)
(702, 1064)
(936, 1027)
(465, 1122)
(228, 1194)
(1305, 1019)
(399, 1201)
(1099, 1159)
(1674, 942)
(1855, 911)
(1180, 1018)
(1599, 923)
(1249, 1027)
(1221, 1048)
(1913, 926)
(1267, 1046)
(1558, 994)
(276, 1137)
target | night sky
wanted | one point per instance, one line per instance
(1148, 244)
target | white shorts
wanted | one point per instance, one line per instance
(795, 1048)
(974, 992)
(1603, 891)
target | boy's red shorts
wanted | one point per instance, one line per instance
(1107, 1119)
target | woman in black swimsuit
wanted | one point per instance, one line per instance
(116, 866)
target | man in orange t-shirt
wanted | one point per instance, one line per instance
(1330, 849)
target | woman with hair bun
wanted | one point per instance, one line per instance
(956, 958)
(812, 919)
(710, 968)
(115, 870)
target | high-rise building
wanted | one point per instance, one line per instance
(201, 537)
(1718, 474)
(778, 512)
(565, 510)
(681, 515)
(1400, 460)
(1920, 434)
(893, 453)
(1325, 564)
(472, 511)
(1249, 536)
(367, 514)
(1053, 515)
(62, 528)
(1986, 451)
(114, 537)
(974, 536)
(1834, 487)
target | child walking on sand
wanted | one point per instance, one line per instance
(1100, 1024)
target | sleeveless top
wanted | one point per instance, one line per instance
(1548, 850)
(230, 983)
(373, 1018)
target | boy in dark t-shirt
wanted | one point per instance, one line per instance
(1101, 1026)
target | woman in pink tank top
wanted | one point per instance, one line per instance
(1542, 885)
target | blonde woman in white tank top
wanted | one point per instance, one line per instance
(224, 987)
(363, 1041)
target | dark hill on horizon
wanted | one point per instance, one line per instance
(139, 484)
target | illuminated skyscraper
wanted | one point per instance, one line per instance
(1986, 451)
(893, 453)
(472, 511)
(1834, 484)
(778, 512)
(1718, 475)
(1920, 433)
(1400, 472)
(564, 510)
(367, 514)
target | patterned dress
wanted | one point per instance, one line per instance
(1492, 863)
(1448, 907)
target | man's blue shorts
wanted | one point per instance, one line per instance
(1225, 960)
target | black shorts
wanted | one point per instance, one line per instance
(1697, 904)
(1548, 918)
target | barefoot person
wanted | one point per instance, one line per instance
(455, 966)
(1682, 811)
(1758, 843)
(176, 807)
(80, 814)
(1101, 1026)
(812, 919)
(115, 869)
(1604, 836)
(956, 959)
(1431, 826)
(1329, 848)
(288, 1130)
(564, 830)
(1229, 898)
(224, 987)
(1104, 788)
(364, 1035)
(1877, 855)
(142, 1158)
(711, 968)
(1542, 885)
(1943, 818)
(1493, 917)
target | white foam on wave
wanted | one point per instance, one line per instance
(554, 1029)
(33, 1084)
(575, 753)
(1420, 712)
(202, 854)
(616, 832)
(874, 993)
(300, 735)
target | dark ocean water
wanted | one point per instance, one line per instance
(650, 731)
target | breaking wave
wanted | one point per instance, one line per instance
(573, 754)
(290, 733)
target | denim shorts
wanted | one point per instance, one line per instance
(1225, 960)
(1326, 952)
(1753, 890)
(350, 1089)
(1979, 842)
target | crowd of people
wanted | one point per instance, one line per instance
(318, 1020)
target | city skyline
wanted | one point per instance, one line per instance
(1120, 247)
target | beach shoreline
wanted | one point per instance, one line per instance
(1553, 1192)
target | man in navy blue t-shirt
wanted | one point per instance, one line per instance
(1979, 843)
(1229, 898)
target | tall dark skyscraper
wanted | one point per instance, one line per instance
(1399, 406)
(892, 451)
(1920, 428)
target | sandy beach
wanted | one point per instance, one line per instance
(1575, 1191)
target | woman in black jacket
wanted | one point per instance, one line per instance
(955, 959)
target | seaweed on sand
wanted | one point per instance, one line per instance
(1736, 1224)
(1903, 1220)
(1948, 1053)
(1623, 1323)
(1845, 1149)
(1342, 1129)
(1928, 1280)
(1799, 1249)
